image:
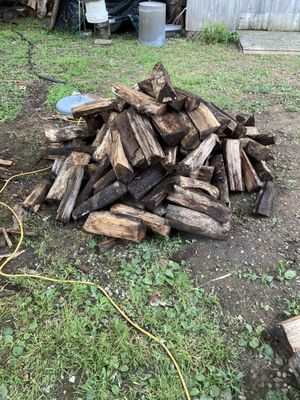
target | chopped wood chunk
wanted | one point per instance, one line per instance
(161, 83)
(145, 136)
(263, 171)
(191, 101)
(169, 162)
(146, 87)
(93, 107)
(251, 179)
(118, 159)
(290, 330)
(157, 195)
(234, 164)
(100, 200)
(140, 101)
(169, 127)
(246, 119)
(201, 202)
(105, 180)
(192, 183)
(196, 222)
(37, 197)
(145, 181)
(192, 138)
(118, 226)
(153, 222)
(197, 157)
(256, 150)
(204, 121)
(265, 198)
(262, 138)
(66, 133)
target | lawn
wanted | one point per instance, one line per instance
(61, 342)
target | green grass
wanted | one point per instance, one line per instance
(50, 333)
(220, 73)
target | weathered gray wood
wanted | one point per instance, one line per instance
(204, 173)
(100, 200)
(118, 226)
(201, 202)
(196, 222)
(145, 136)
(192, 183)
(197, 157)
(192, 138)
(265, 199)
(290, 328)
(105, 180)
(152, 222)
(262, 138)
(259, 42)
(142, 102)
(232, 154)
(37, 197)
(169, 162)
(66, 133)
(161, 83)
(157, 195)
(59, 186)
(93, 107)
(145, 181)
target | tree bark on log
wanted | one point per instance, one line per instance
(161, 83)
(37, 197)
(219, 178)
(66, 133)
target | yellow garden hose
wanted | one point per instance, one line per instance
(86, 283)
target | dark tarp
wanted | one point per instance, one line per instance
(118, 12)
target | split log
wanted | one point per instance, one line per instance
(58, 163)
(234, 164)
(197, 157)
(192, 138)
(66, 133)
(131, 147)
(140, 101)
(109, 224)
(65, 151)
(104, 148)
(161, 83)
(157, 195)
(263, 171)
(196, 222)
(262, 138)
(93, 107)
(202, 203)
(256, 150)
(118, 159)
(169, 162)
(204, 121)
(219, 178)
(191, 101)
(294, 365)
(152, 222)
(145, 181)
(146, 87)
(89, 186)
(94, 123)
(289, 331)
(104, 181)
(5, 163)
(69, 198)
(100, 200)
(265, 198)
(179, 103)
(107, 245)
(58, 188)
(191, 183)
(246, 119)
(37, 197)
(145, 136)
(203, 173)
(251, 179)
(169, 127)
(238, 132)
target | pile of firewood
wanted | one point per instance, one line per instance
(154, 158)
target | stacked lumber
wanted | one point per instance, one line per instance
(153, 158)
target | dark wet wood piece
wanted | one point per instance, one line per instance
(145, 181)
(246, 119)
(262, 138)
(169, 127)
(219, 178)
(203, 173)
(191, 101)
(169, 162)
(265, 199)
(146, 87)
(104, 181)
(263, 171)
(117, 226)
(192, 138)
(161, 83)
(256, 150)
(157, 195)
(100, 200)
(196, 222)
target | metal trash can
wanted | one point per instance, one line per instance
(152, 23)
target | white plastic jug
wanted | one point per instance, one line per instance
(96, 12)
